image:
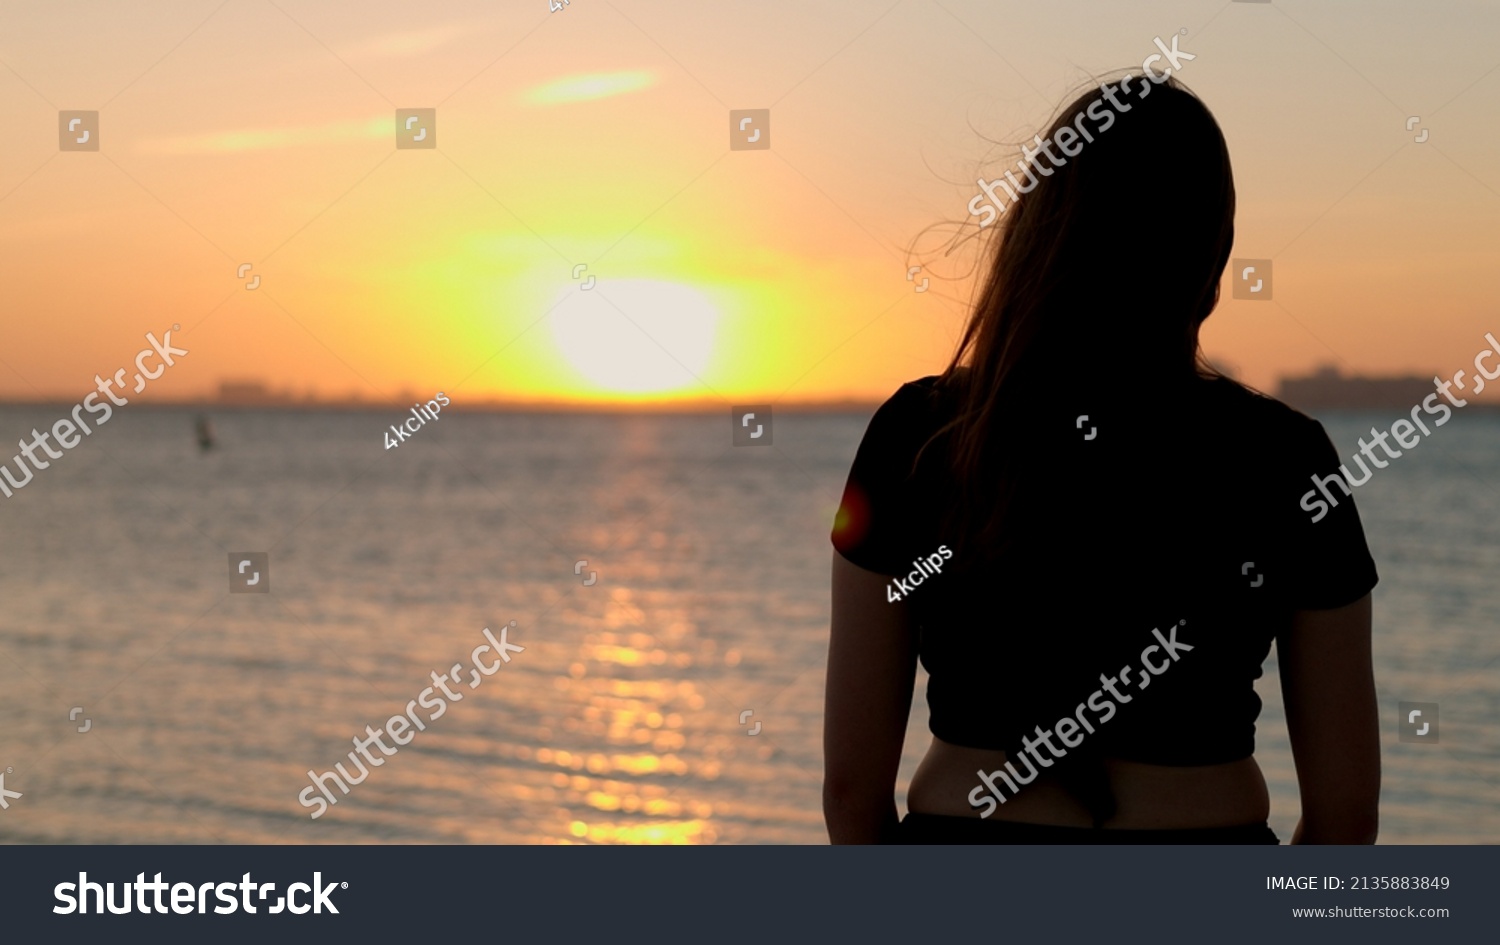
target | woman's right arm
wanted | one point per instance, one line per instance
(1328, 686)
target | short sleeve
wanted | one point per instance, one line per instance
(873, 527)
(1329, 561)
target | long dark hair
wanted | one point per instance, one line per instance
(1102, 273)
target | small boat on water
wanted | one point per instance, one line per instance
(205, 431)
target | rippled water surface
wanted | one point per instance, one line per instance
(624, 719)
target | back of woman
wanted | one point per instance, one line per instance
(1089, 538)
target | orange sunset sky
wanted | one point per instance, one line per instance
(253, 132)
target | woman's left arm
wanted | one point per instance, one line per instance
(872, 667)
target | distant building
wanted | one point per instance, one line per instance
(1327, 389)
(249, 394)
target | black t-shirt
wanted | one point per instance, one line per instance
(1129, 520)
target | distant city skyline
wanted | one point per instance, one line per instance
(1326, 387)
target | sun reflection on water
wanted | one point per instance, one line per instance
(624, 694)
(668, 832)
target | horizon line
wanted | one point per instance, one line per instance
(489, 405)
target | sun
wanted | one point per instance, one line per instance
(636, 336)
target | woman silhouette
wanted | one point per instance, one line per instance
(1090, 538)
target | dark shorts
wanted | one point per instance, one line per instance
(940, 829)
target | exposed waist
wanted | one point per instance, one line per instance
(1147, 796)
(916, 828)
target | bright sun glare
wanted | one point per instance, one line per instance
(636, 336)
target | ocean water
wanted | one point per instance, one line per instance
(670, 689)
